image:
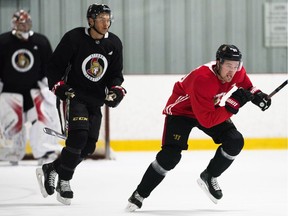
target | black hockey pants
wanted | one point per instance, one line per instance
(84, 126)
(175, 138)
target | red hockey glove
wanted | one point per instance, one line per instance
(260, 99)
(63, 91)
(115, 96)
(238, 99)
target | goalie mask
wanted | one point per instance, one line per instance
(21, 24)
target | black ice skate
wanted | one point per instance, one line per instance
(49, 174)
(210, 186)
(65, 194)
(134, 202)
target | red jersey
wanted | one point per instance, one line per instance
(198, 95)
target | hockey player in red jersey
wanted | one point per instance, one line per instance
(95, 62)
(23, 63)
(195, 102)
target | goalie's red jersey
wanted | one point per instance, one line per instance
(198, 95)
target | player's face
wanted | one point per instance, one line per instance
(102, 23)
(228, 70)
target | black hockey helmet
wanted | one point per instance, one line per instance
(95, 9)
(228, 52)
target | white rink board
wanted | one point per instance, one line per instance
(139, 116)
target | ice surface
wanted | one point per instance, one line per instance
(255, 185)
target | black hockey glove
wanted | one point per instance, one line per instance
(260, 99)
(63, 91)
(1, 86)
(238, 99)
(115, 96)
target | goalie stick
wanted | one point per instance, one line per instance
(277, 89)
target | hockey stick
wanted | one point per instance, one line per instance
(67, 110)
(277, 89)
(52, 132)
(58, 103)
(64, 134)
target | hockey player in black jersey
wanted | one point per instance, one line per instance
(24, 95)
(94, 60)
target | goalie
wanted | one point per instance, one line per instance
(24, 94)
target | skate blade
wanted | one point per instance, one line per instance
(40, 175)
(65, 201)
(203, 186)
(131, 207)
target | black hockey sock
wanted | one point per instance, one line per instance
(219, 163)
(57, 163)
(149, 181)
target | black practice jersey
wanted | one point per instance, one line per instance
(23, 63)
(93, 65)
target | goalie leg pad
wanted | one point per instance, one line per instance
(45, 114)
(40, 142)
(12, 131)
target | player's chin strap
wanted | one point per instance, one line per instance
(97, 30)
(217, 69)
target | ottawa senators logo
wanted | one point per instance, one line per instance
(22, 60)
(94, 67)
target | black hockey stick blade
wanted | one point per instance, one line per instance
(52, 132)
(277, 89)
